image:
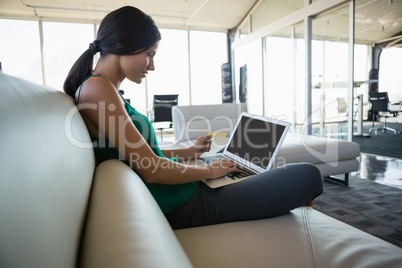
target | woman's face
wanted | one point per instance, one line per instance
(135, 67)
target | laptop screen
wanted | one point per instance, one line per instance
(255, 140)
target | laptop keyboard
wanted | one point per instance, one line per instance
(233, 175)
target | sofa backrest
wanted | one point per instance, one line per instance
(193, 121)
(46, 170)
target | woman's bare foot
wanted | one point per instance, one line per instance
(310, 204)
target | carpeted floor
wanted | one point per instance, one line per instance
(385, 144)
(366, 205)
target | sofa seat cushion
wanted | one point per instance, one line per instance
(302, 238)
(312, 149)
(125, 226)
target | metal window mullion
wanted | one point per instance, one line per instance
(264, 74)
(308, 59)
(351, 68)
(294, 71)
(42, 52)
(189, 66)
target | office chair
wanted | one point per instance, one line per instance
(336, 120)
(380, 107)
(122, 93)
(162, 108)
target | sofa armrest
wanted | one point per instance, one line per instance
(125, 227)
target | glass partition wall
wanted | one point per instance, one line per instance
(330, 73)
(284, 75)
(307, 72)
(250, 57)
(18, 57)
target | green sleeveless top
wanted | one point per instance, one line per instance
(168, 197)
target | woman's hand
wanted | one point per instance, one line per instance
(220, 168)
(201, 145)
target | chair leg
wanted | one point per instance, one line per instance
(372, 126)
(390, 129)
(375, 130)
(345, 181)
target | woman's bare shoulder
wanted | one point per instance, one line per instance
(96, 89)
(99, 101)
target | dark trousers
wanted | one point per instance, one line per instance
(269, 194)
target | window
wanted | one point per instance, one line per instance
(285, 94)
(171, 74)
(63, 44)
(251, 55)
(20, 49)
(208, 51)
(389, 75)
(330, 74)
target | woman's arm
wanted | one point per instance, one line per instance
(202, 145)
(107, 112)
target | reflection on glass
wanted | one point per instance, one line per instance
(381, 169)
(285, 72)
(330, 74)
(251, 55)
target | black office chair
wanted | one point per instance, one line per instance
(122, 93)
(380, 107)
(162, 108)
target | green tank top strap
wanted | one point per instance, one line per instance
(79, 89)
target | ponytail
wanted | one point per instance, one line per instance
(81, 69)
(124, 31)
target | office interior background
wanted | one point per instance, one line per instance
(302, 58)
(307, 61)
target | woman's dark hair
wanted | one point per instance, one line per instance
(125, 31)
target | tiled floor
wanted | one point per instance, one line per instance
(381, 169)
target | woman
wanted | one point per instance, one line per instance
(128, 41)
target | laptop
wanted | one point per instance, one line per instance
(253, 144)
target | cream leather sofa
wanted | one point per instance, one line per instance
(331, 156)
(58, 209)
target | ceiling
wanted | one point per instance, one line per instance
(219, 15)
(376, 20)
